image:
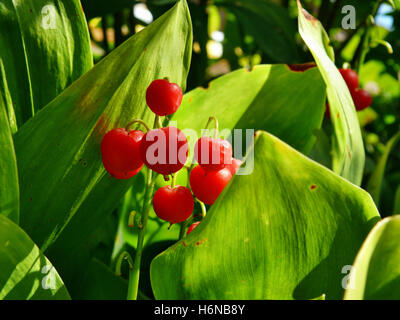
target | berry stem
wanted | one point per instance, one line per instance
(123, 256)
(134, 273)
(173, 181)
(184, 226)
(216, 125)
(203, 208)
(144, 124)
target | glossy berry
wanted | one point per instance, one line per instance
(163, 97)
(362, 99)
(194, 225)
(164, 150)
(173, 205)
(122, 176)
(207, 186)
(351, 78)
(213, 154)
(120, 151)
(234, 166)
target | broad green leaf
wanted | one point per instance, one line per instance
(283, 232)
(348, 149)
(44, 47)
(376, 270)
(101, 283)
(9, 189)
(58, 151)
(269, 24)
(25, 273)
(374, 186)
(269, 97)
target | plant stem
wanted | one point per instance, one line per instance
(173, 182)
(203, 208)
(134, 273)
(216, 126)
(144, 124)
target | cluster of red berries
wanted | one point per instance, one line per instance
(124, 152)
(361, 98)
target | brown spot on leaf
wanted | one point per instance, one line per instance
(190, 100)
(313, 187)
(199, 243)
(301, 67)
(309, 17)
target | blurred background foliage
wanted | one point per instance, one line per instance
(231, 34)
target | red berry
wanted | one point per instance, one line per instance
(164, 150)
(234, 166)
(120, 151)
(163, 97)
(207, 186)
(213, 154)
(173, 205)
(351, 78)
(362, 99)
(122, 176)
(190, 229)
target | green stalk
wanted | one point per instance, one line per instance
(134, 273)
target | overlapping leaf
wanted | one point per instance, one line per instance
(25, 273)
(283, 232)
(9, 189)
(374, 186)
(44, 47)
(376, 270)
(348, 150)
(59, 149)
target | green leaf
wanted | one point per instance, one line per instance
(374, 186)
(269, 97)
(376, 270)
(44, 47)
(9, 189)
(100, 283)
(283, 232)
(25, 273)
(269, 24)
(58, 151)
(348, 149)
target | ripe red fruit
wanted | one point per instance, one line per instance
(190, 229)
(213, 154)
(164, 150)
(351, 78)
(122, 176)
(207, 186)
(362, 99)
(234, 166)
(163, 97)
(173, 205)
(120, 151)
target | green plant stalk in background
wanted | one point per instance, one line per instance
(134, 273)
